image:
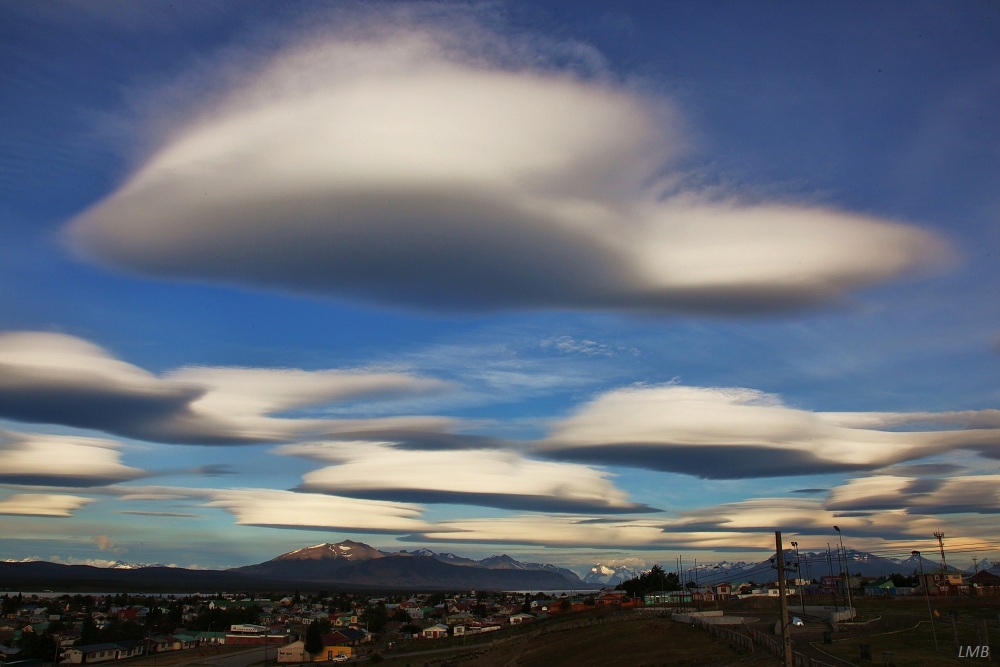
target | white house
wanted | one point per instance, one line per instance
(435, 631)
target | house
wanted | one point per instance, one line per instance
(886, 589)
(941, 582)
(703, 595)
(103, 652)
(459, 618)
(294, 652)
(436, 631)
(340, 641)
(679, 597)
(8, 653)
(92, 653)
(413, 610)
(984, 582)
(723, 591)
(183, 642)
(206, 638)
(612, 599)
(656, 598)
(129, 649)
(518, 619)
(159, 644)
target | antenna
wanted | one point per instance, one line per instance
(940, 538)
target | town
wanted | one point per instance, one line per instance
(340, 627)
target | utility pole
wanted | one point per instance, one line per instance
(798, 577)
(927, 596)
(847, 573)
(786, 638)
(940, 538)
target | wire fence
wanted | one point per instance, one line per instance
(745, 642)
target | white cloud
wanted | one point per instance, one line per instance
(105, 543)
(738, 432)
(587, 347)
(550, 530)
(42, 504)
(56, 378)
(472, 476)
(38, 459)
(979, 494)
(287, 509)
(352, 164)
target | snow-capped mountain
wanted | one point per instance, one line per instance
(609, 575)
(994, 568)
(347, 550)
(123, 565)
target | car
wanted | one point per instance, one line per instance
(341, 657)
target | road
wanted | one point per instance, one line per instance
(243, 658)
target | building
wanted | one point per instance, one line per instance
(436, 631)
(942, 582)
(293, 652)
(103, 652)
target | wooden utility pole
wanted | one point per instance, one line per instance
(786, 638)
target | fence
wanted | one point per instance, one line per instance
(746, 642)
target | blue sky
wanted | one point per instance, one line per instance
(610, 284)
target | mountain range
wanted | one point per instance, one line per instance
(353, 565)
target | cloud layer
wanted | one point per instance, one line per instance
(287, 509)
(54, 460)
(61, 379)
(492, 478)
(409, 167)
(42, 504)
(726, 433)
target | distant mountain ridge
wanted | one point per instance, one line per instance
(356, 563)
(349, 564)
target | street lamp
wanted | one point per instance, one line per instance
(786, 639)
(847, 574)
(927, 595)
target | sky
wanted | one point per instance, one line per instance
(577, 283)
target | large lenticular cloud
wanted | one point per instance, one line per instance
(403, 170)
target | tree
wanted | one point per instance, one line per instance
(89, 634)
(375, 617)
(314, 639)
(654, 580)
(37, 646)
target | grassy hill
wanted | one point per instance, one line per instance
(635, 642)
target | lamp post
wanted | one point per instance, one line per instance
(847, 574)
(927, 595)
(786, 636)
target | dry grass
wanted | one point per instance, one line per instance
(632, 643)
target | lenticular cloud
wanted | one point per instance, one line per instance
(402, 170)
